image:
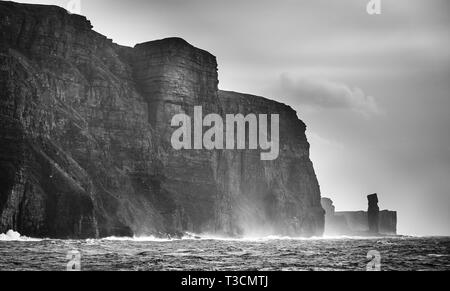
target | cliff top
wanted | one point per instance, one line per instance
(166, 45)
(258, 99)
(169, 41)
(40, 10)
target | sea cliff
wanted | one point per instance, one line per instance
(85, 140)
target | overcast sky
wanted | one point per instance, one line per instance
(373, 90)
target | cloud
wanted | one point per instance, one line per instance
(318, 140)
(327, 94)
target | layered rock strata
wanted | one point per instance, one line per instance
(85, 140)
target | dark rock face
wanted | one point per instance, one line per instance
(85, 140)
(280, 196)
(334, 225)
(373, 213)
(387, 222)
(328, 206)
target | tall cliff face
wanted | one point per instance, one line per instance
(85, 140)
(280, 196)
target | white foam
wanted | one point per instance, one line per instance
(12, 235)
(138, 239)
(192, 236)
(15, 236)
(276, 237)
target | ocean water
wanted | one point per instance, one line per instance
(209, 253)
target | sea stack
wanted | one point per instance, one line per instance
(373, 213)
(359, 223)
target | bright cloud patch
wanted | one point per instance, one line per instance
(327, 94)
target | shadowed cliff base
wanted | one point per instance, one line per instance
(85, 140)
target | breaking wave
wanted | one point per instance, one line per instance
(277, 237)
(139, 239)
(191, 236)
(16, 236)
(12, 235)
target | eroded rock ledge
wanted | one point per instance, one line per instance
(372, 222)
(85, 140)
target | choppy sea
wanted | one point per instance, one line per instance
(212, 253)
